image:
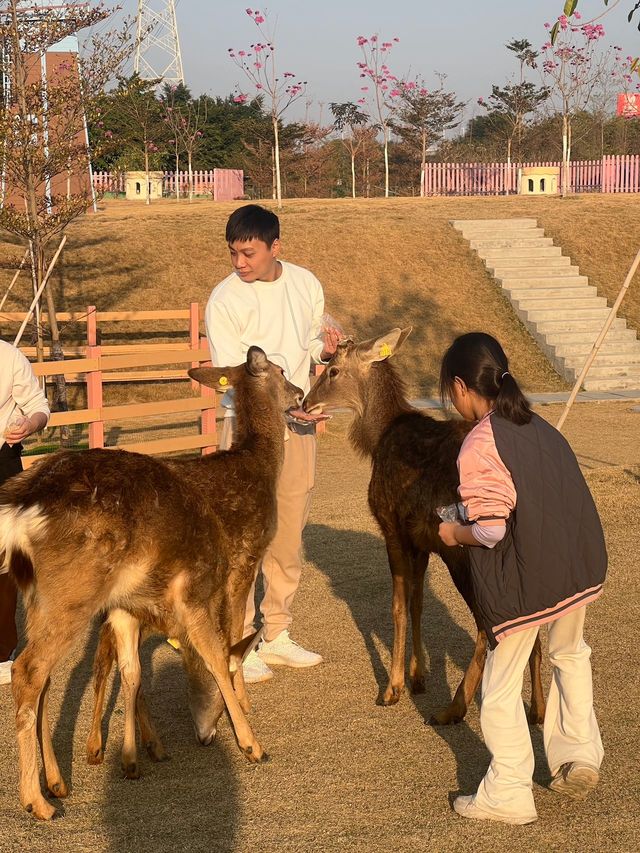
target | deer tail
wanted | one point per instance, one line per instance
(19, 528)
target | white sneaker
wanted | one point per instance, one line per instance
(466, 807)
(575, 780)
(5, 669)
(285, 652)
(255, 670)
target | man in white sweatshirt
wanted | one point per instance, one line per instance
(23, 410)
(277, 306)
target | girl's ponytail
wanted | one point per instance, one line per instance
(479, 360)
(511, 404)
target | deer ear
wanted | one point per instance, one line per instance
(219, 378)
(384, 346)
(257, 361)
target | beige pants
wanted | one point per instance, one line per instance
(570, 728)
(282, 563)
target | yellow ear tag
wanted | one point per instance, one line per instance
(223, 381)
(385, 351)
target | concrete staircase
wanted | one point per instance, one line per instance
(557, 305)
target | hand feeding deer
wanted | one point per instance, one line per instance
(413, 471)
(144, 541)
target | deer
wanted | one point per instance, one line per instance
(145, 542)
(413, 472)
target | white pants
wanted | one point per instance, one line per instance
(570, 728)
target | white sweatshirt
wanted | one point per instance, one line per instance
(19, 387)
(283, 317)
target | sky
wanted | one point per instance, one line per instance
(317, 41)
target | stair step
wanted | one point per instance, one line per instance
(572, 315)
(490, 256)
(541, 309)
(512, 243)
(613, 359)
(535, 294)
(573, 326)
(616, 384)
(539, 270)
(538, 264)
(614, 349)
(459, 224)
(500, 233)
(617, 333)
(544, 281)
(610, 371)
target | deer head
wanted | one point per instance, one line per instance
(344, 380)
(257, 370)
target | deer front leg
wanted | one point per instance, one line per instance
(126, 629)
(53, 776)
(538, 703)
(102, 663)
(417, 663)
(148, 733)
(456, 710)
(401, 589)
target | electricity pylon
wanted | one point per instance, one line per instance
(157, 43)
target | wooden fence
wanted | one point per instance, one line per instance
(614, 174)
(222, 184)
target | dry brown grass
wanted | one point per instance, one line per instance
(346, 774)
(382, 263)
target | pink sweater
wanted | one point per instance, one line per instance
(486, 487)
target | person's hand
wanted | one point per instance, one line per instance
(447, 530)
(331, 338)
(18, 428)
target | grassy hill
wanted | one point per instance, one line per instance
(383, 263)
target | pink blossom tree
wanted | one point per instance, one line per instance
(383, 91)
(258, 64)
(186, 118)
(570, 9)
(573, 68)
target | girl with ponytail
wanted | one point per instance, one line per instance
(537, 557)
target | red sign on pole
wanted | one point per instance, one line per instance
(628, 105)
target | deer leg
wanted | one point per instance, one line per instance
(456, 710)
(150, 738)
(401, 579)
(126, 629)
(55, 782)
(538, 703)
(102, 663)
(212, 647)
(417, 664)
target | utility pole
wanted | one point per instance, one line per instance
(158, 53)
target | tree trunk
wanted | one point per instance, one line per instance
(273, 172)
(386, 162)
(276, 152)
(565, 155)
(190, 178)
(509, 142)
(423, 164)
(353, 175)
(146, 176)
(177, 176)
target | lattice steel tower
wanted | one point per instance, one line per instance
(157, 42)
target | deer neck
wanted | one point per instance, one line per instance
(382, 399)
(260, 429)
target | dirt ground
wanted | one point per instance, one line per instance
(344, 773)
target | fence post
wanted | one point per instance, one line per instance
(194, 335)
(94, 379)
(208, 423)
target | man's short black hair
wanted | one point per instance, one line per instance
(253, 222)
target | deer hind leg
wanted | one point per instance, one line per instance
(49, 640)
(212, 645)
(55, 783)
(538, 703)
(456, 710)
(417, 663)
(102, 663)
(401, 579)
(126, 629)
(148, 733)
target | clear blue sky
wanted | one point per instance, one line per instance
(316, 40)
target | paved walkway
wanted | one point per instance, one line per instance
(628, 394)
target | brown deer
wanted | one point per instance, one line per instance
(144, 541)
(413, 472)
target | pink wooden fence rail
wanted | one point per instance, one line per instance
(223, 184)
(612, 174)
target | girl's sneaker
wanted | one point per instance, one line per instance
(5, 669)
(575, 780)
(466, 807)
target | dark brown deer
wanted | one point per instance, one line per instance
(143, 540)
(413, 472)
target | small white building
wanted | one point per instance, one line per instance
(135, 185)
(539, 180)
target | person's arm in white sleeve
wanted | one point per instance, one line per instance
(30, 400)
(223, 336)
(316, 344)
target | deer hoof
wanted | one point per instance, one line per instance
(417, 685)
(535, 717)
(444, 718)
(131, 770)
(255, 755)
(391, 697)
(156, 751)
(41, 809)
(59, 790)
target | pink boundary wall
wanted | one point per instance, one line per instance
(612, 174)
(223, 184)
